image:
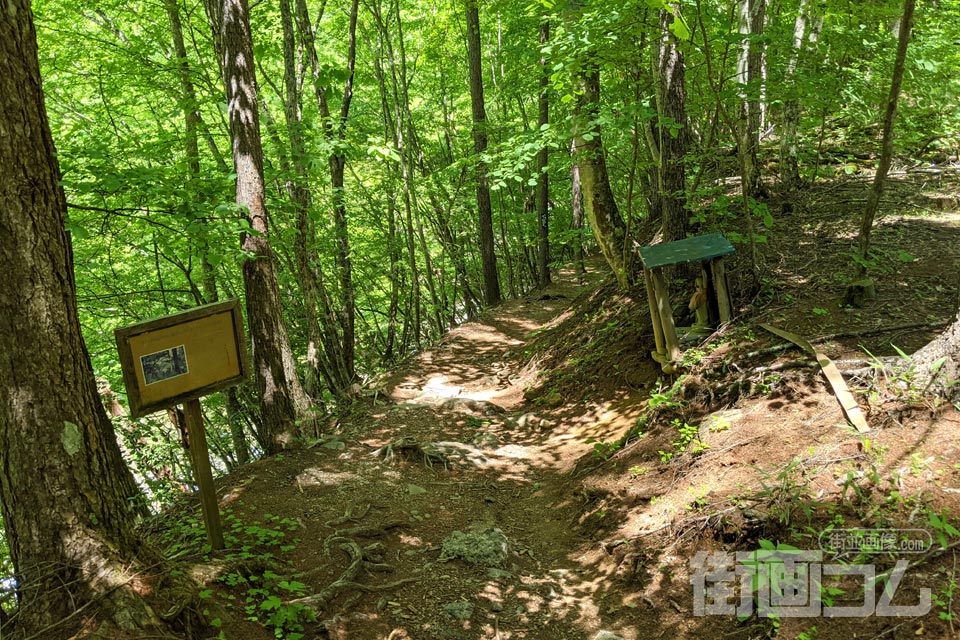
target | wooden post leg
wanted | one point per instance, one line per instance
(720, 288)
(202, 473)
(661, 353)
(666, 317)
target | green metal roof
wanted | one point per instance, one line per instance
(695, 249)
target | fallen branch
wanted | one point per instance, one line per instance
(847, 334)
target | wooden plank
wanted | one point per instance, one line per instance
(670, 340)
(654, 316)
(847, 402)
(200, 458)
(720, 289)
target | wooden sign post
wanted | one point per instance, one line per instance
(178, 359)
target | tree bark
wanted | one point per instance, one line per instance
(284, 404)
(937, 364)
(749, 58)
(340, 327)
(488, 258)
(789, 164)
(598, 200)
(69, 502)
(543, 185)
(670, 134)
(576, 210)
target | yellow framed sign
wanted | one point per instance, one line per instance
(182, 356)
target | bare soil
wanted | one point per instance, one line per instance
(545, 426)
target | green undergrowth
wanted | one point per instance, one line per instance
(253, 579)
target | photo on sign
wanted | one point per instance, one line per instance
(163, 365)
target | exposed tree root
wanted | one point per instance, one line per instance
(409, 449)
(362, 559)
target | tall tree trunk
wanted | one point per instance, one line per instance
(671, 135)
(318, 365)
(543, 186)
(598, 200)
(337, 162)
(336, 357)
(69, 503)
(789, 163)
(192, 121)
(576, 207)
(886, 153)
(749, 58)
(283, 401)
(488, 258)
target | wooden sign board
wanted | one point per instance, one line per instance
(182, 356)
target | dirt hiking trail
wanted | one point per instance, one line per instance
(533, 475)
(458, 494)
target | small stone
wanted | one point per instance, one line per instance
(554, 399)
(414, 490)
(486, 440)
(458, 610)
(498, 574)
(606, 635)
(483, 547)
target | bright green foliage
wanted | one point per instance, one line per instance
(148, 236)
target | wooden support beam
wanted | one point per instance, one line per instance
(720, 287)
(662, 295)
(660, 355)
(200, 459)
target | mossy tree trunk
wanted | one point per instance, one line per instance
(598, 199)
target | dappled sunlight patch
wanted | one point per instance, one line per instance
(410, 540)
(315, 477)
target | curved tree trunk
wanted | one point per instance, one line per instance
(886, 153)
(598, 200)
(69, 502)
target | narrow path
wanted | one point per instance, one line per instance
(498, 467)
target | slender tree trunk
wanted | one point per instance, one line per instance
(576, 206)
(318, 366)
(332, 358)
(598, 200)
(488, 258)
(341, 345)
(543, 187)
(511, 275)
(192, 121)
(752, 13)
(337, 163)
(69, 502)
(283, 401)
(789, 163)
(392, 239)
(886, 153)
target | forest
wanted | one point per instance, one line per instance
(434, 215)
